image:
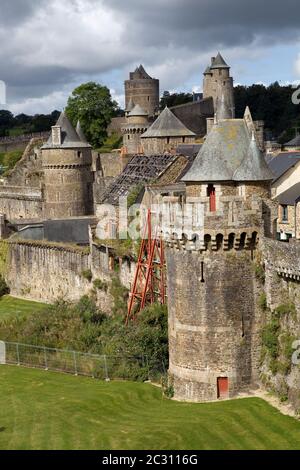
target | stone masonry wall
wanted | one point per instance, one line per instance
(214, 323)
(282, 288)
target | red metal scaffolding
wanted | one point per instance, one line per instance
(149, 280)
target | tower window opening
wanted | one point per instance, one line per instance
(148, 98)
(183, 140)
(211, 193)
(285, 215)
(168, 140)
(202, 271)
(79, 154)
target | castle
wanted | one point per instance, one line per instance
(214, 278)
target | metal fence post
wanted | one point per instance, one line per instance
(18, 354)
(45, 357)
(105, 369)
(75, 363)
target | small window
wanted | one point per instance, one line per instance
(148, 98)
(183, 140)
(79, 154)
(168, 140)
(128, 137)
(285, 216)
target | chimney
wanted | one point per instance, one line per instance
(56, 135)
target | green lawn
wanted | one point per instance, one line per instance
(12, 307)
(44, 410)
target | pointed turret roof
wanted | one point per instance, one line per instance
(219, 63)
(141, 72)
(69, 137)
(130, 105)
(138, 111)
(207, 70)
(223, 110)
(80, 133)
(254, 166)
(167, 125)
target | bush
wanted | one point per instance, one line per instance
(262, 301)
(4, 289)
(87, 274)
(100, 285)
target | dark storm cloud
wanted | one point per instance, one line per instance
(14, 12)
(212, 22)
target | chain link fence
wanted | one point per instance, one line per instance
(102, 367)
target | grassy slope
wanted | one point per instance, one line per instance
(11, 307)
(43, 410)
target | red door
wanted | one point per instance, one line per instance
(222, 387)
(211, 192)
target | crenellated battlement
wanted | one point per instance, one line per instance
(190, 225)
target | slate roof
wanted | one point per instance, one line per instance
(137, 110)
(295, 142)
(140, 169)
(207, 70)
(69, 137)
(80, 133)
(130, 105)
(289, 196)
(168, 125)
(229, 154)
(283, 162)
(219, 63)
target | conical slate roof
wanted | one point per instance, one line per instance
(142, 72)
(207, 70)
(228, 154)
(138, 111)
(223, 110)
(254, 166)
(80, 133)
(168, 125)
(219, 63)
(69, 137)
(130, 105)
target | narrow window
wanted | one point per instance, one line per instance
(168, 140)
(211, 193)
(183, 140)
(285, 216)
(202, 271)
(79, 154)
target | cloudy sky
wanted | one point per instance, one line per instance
(50, 46)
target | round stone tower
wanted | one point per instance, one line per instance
(68, 179)
(137, 124)
(218, 84)
(214, 318)
(143, 90)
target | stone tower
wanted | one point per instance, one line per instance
(214, 318)
(219, 85)
(165, 134)
(143, 90)
(137, 124)
(67, 160)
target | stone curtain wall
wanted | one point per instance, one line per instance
(46, 272)
(282, 288)
(21, 202)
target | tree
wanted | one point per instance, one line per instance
(174, 99)
(6, 122)
(92, 105)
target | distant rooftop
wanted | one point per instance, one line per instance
(139, 74)
(167, 125)
(295, 142)
(283, 162)
(290, 196)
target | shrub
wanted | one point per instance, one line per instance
(87, 274)
(262, 301)
(4, 289)
(259, 273)
(100, 285)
